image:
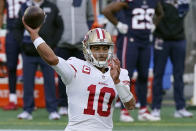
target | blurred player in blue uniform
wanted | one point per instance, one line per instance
(12, 50)
(133, 46)
(170, 43)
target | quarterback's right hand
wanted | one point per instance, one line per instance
(123, 28)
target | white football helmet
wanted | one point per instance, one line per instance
(97, 36)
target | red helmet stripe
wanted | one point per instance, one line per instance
(98, 34)
(103, 34)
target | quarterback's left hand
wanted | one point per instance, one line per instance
(115, 70)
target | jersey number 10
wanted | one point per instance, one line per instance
(92, 89)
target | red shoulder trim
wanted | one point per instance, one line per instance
(74, 69)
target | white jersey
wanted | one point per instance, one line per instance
(91, 95)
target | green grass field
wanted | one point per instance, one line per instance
(9, 122)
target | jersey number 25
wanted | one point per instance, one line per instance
(142, 18)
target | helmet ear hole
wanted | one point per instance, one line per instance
(97, 36)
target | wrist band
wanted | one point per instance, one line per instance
(38, 41)
(123, 92)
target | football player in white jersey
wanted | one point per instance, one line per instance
(92, 85)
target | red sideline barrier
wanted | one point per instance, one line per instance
(38, 95)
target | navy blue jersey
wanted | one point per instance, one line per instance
(12, 7)
(171, 26)
(139, 18)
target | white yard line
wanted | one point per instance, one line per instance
(43, 130)
(26, 130)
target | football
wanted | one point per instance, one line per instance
(34, 16)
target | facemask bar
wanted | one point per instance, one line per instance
(96, 62)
